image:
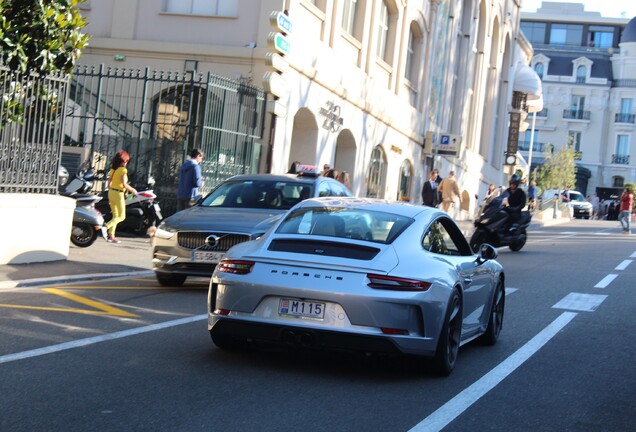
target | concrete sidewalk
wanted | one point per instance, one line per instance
(99, 261)
(132, 257)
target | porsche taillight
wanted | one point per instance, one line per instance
(235, 266)
(396, 283)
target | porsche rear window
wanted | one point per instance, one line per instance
(345, 223)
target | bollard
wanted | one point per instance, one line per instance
(556, 205)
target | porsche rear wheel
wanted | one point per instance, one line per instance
(449, 338)
(495, 323)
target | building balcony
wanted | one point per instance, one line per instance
(538, 147)
(624, 83)
(620, 159)
(624, 118)
(576, 114)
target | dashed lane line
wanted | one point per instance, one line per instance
(580, 302)
(97, 339)
(623, 265)
(606, 281)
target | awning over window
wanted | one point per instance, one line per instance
(527, 81)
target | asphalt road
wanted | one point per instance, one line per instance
(129, 355)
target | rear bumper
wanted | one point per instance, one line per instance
(303, 337)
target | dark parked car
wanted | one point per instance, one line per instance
(191, 242)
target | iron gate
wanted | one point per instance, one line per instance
(158, 117)
(30, 131)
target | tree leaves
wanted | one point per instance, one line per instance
(41, 36)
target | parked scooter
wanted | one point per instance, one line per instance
(142, 211)
(493, 227)
(87, 220)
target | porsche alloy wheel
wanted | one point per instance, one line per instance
(495, 323)
(449, 338)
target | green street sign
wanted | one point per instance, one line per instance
(279, 42)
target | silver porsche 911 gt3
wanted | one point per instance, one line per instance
(359, 274)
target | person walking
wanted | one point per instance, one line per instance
(532, 196)
(626, 206)
(567, 199)
(596, 202)
(430, 193)
(117, 188)
(189, 180)
(449, 191)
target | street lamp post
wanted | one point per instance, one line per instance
(534, 106)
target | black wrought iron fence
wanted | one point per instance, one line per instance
(30, 131)
(158, 117)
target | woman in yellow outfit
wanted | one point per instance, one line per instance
(117, 185)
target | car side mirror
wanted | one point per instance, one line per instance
(198, 199)
(487, 252)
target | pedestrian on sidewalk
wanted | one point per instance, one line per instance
(567, 199)
(626, 206)
(118, 187)
(430, 192)
(449, 191)
(596, 203)
(189, 180)
(532, 196)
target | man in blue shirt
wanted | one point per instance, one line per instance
(532, 196)
(189, 180)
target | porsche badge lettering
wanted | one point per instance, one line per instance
(311, 275)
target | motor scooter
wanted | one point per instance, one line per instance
(142, 211)
(87, 220)
(492, 226)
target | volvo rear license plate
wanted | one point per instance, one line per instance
(301, 308)
(207, 256)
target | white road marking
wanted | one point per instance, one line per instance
(103, 338)
(460, 403)
(633, 255)
(623, 265)
(605, 281)
(510, 290)
(580, 302)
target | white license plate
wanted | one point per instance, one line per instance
(301, 308)
(207, 256)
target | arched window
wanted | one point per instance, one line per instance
(581, 73)
(406, 176)
(376, 176)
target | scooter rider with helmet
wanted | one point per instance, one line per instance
(515, 199)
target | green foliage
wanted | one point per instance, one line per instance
(558, 170)
(41, 36)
